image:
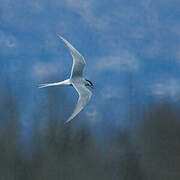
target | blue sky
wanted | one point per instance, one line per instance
(122, 41)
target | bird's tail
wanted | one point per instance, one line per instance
(47, 85)
(65, 82)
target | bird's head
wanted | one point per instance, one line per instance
(89, 83)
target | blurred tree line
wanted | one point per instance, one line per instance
(149, 150)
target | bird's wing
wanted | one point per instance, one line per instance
(78, 60)
(84, 97)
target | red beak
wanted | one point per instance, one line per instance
(93, 87)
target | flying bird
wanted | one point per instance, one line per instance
(76, 80)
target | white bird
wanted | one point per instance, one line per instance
(76, 80)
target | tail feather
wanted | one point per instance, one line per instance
(46, 85)
(65, 82)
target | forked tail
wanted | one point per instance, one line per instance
(47, 85)
(65, 82)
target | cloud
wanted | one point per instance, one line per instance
(8, 43)
(167, 88)
(36, 6)
(42, 70)
(125, 61)
(7, 40)
(111, 92)
(92, 113)
(153, 49)
(86, 10)
(138, 28)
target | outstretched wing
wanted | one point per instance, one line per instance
(78, 60)
(84, 97)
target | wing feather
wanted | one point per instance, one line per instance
(78, 60)
(84, 97)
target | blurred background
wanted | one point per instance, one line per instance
(130, 129)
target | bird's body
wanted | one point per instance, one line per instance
(76, 80)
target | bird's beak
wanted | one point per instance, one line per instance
(93, 87)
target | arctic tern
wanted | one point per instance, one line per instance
(76, 80)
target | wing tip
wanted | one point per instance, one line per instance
(60, 37)
(67, 121)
